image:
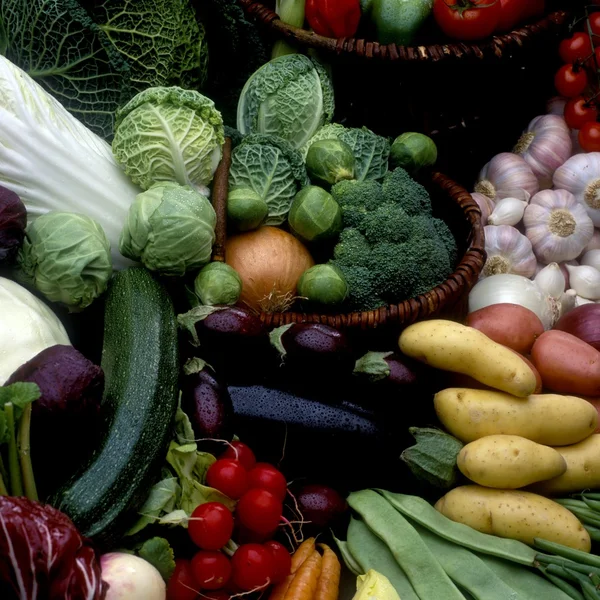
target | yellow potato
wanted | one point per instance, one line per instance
(583, 469)
(547, 419)
(514, 514)
(454, 347)
(509, 462)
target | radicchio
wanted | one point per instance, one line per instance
(42, 555)
(13, 219)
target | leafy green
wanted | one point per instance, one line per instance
(159, 554)
(19, 394)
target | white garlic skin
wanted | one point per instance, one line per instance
(508, 211)
(486, 206)
(585, 281)
(508, 251)
(507, 175)
(591, 259)
(551, 280)
(580, 175)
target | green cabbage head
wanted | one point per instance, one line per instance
(66, 256)
(169, 134)
(170, 229)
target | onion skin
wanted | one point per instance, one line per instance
(584, 323)
(567, 364)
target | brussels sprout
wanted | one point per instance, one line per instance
(170, 228)
(315, 215)
(218, 283)
(246, 210)
(330, 161)
(66, 256)
(323, 284)
(412, 152)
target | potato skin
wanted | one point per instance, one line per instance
(547, 419)
(583, 469)
(567, 364)
(511, 325)
(514, 514)
(454, 347)
(509, 462)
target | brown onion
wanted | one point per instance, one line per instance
(584, 323)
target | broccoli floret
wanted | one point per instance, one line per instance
(447, 238)
(352, 248)
(356, 199)
(401, 188)
(394, 271)
(422, 228)
(362, 293)
(389, 223)
(433, 264)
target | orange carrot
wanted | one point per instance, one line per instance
(328, 587)
(305, 581)
(304, 550)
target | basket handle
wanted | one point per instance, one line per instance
(219, 201)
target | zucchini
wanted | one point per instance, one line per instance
(141, 367)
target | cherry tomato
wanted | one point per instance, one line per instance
(259, 510)
(589, 137)
(266, 477)
(467, 19)
(182, 585)
(281, 559)
(594, 21)
(215, 595)
(211, 570)
(597, 53)
(211, 525)
(578, 112)
(570, 81)
(253, 566)
(577, 47)
(228, 476)
(242, 452)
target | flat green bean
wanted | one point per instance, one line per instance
(424, 572)
(420, 511)
(566, 552)
(371, 553)
(347, 557)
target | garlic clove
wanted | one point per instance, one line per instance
(508, 211)
(567, 302)
(585, 280)
(551, 280)
(594, 242)
(591, 259)
(579, 301)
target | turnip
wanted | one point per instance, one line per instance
(131, 578)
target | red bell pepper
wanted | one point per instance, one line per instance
(333, 18)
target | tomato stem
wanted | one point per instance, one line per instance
(462, 5)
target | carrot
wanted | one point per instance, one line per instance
(304, 584)
(304, 550)
(328, 587)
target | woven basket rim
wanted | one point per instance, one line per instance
(449, 291)
(491, 47)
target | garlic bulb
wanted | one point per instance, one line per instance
(579, 301)
(591, 259)
(515, 289)
(563, 268)
(508, 211)
(551, 280)
(507, 175)
(585, 281)
(486, 206)
(557, 226)
(594, 242)
(545, 146)
(508, 251)
(556, 105)
(580, 175)
(567, 302)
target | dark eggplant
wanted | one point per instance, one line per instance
(206, 401)
(13, 220)
(321, 505)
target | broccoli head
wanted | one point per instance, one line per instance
(352, 248)
(399, 187)
(362, 291)
(388, 223)
(356, 199)
(447, 238)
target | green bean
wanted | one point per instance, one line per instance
(571, 502)
(467, 570)
(421, 567)
(561, 572)
(595, 579)
(566, 587)
(347, 557)
(370, 552)
(590, 496)
(566, 552)
(594, 532)
(588, 570)
(587, 587)
(592, 503)
(420, 511)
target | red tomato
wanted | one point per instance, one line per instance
(570, 81)
(266, 477)
(182, 585)
(211, 525)
(595, 23)
(589, 136)
(577, 47)
(578, 112)
(282, 560)
(253, 566)
(211, 570)
(511, 14)
(259, 510)
(242, 452)
(597, 53)
(228, 476)
(467, 19)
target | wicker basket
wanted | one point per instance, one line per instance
(494, 48)
(449, 299)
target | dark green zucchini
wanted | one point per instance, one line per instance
(140, 363)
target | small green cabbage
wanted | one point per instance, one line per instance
(66, 256)
(169, 228)
(169, 134)
(413, 151)
(246, 210)
(218, 283)
(330, 161)
(315, 215)
(323, 284)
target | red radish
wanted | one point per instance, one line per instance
(282, 560)
(182, 585)
(253, 567)
(266, 477)
(229, 477)
(242, 452)
(211, 525)
(259, 510)
(211, 570)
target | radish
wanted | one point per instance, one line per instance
(131, 578)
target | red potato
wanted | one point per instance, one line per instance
(511, 325)
(567, 364)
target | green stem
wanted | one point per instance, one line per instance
(16, 484)
(3, 490)
(25, 454)
(3, 471)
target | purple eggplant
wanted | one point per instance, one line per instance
(389, 368)
(13, 220)
(321, 505)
